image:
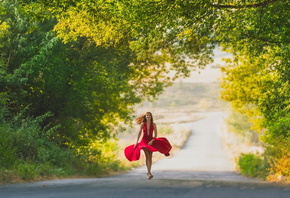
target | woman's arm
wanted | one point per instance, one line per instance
(139, 134)
(154, 135)
(155, 130)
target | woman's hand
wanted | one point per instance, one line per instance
(151, 142)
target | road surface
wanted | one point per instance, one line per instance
(201, 169)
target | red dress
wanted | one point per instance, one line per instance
(159, 144)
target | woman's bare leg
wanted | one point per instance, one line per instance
(148, 156)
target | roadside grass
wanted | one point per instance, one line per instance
(244, 146)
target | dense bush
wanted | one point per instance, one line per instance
(27, 149)
(253, 165)
(28, 152)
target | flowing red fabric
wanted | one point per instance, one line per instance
(160, 144)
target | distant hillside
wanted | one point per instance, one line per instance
(184, 97)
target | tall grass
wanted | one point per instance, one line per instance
(238, 123)
(29, 152)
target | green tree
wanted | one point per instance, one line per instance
(256, 80)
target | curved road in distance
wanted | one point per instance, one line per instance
(201, 169)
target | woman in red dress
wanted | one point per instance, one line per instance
(149, 142)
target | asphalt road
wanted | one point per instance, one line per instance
(201, 169)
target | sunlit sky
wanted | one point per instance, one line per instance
(211, 73)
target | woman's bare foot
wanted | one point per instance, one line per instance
(149, 175)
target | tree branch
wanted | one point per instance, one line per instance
(262, 39)
(256, 5)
